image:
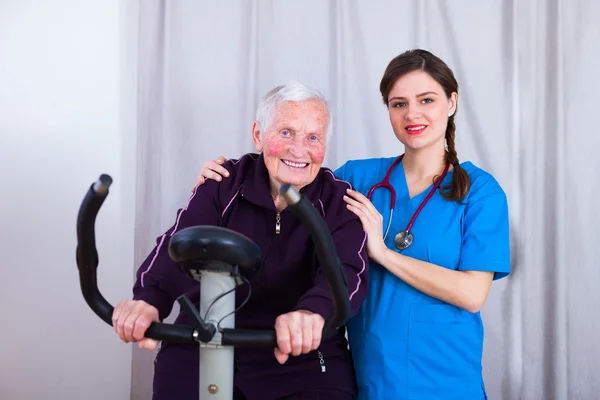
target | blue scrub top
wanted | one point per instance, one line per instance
(405, 343)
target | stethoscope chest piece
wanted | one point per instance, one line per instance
(403, 240)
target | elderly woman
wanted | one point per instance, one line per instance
(289, 292)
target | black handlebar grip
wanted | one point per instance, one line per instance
(248, 338)
(86, 255)
(171, 333)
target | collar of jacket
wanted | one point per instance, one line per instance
(257, 189)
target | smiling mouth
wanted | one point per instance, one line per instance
(292, 164)
(415, 129)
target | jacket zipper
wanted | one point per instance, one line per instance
(261, 274)
(321, 361)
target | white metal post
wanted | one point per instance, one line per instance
(216, 361)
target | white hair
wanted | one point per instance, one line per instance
(291, 91)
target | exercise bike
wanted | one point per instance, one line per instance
(219, 259)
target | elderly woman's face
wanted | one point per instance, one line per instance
(294, 144)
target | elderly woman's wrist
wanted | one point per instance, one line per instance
(316, 306)
(156, 298)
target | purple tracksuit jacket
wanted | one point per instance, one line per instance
(289, 279)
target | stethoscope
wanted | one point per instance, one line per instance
(403, 239)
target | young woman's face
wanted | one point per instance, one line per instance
(419, 110)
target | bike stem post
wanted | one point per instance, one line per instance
(217, 297)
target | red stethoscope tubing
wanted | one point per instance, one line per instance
(385, 183)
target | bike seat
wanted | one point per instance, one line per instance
(214, 248)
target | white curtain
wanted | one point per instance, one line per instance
(528, 101)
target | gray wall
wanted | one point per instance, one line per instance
(67, 114)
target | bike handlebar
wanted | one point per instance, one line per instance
(87, 263)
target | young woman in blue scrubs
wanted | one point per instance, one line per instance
(419, 333)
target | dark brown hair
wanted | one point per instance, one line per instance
(422, 60)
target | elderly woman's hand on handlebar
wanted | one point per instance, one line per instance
(298, 332)
(131, 319)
